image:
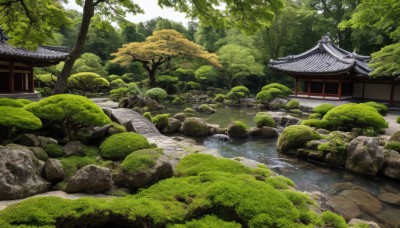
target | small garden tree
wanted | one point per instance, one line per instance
(12, 119)
(87, 82)
(69, 112)
(270, 92)
(156, 94)
(238, 92)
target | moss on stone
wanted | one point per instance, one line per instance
(392, 145)
(295, 136)
(333, 220)
(141, 160)
(118, 146)
(280, 182)
(54, 150)
(237, 129)
(323, 109)
(381, 108)
(219, 98)
(314, 116)
(147, 115)
(317, 123)
(11, 103)
(193, 126)
(206, 108)
(11, 117)
(207, 222)
(293, 104)
(264, 119)
(160, 121)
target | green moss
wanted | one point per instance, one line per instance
(180, 116)
(348, 116)
(161, 121)
(266, 96)
(317, 123)
(295, 111)
(219, 98)
(118, 128)
(193, 126)
(90, 150)
(295, 136)
(337, 143)
(217, 105)
(237, 92)
(285, 91)
(73, 164)
(141, 160)
(237, 129)
(381, 108)
(24, 101)
(194, 85)
(398, 120)
(280, 182)
(157, 93)
(178, 100)
(392, 145)
(293, 104)
(207, 222)
(54, 150)
(206, 108)
(323, 109)
(264, 119)
(11, 103)
(314, 116)
(333, 220)
(147, 115)
(189, 110)
(19, 118)
(118, 146)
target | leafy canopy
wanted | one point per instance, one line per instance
(87, 81)
(18, 118)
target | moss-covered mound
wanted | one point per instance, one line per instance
(237, 129)
(16, 117)
(11, 103)
(160, 121)
(293, 104)
(285, 91)
(141, 160)
(323, 109)
(118, 146)
(205, 108)
(264, 119)
(295, 136)
(212, 198)
(381, 108)
(193, 126)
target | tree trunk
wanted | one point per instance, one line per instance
(152, 74)
(88, 13)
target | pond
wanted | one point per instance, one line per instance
(356, 195)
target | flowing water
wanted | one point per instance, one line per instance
(356, 195)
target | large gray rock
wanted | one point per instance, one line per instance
(90, 179)
(364, 156)
(391, 167)
(193, 126)
(20, 173)
(284, 120)
(161, 169)
(53, 170)
(44, 141)
(73, 148)
(27, 140)
(173, 125)
(99, 133)
(263, 132)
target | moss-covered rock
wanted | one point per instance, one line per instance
(317, 123)
(264, 119)
(54, 150)
(219, 98)
(237, 129)
(160, 121)
(11, 103)
(118, 146)
(193, 126)
(147, 115)
(178, 100)
(11, 117)
(294, 137)
(293, 104)
(205, 108)
(180, 116)
(381, 108)
(323, 109)
(314, 116)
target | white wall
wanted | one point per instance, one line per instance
(377, 91)
(357, 90)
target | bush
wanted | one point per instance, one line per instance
(323, 109)
(24, 101)
(237, 129)
(113, 77)
(141, 160)
(381, 108)
(160, 121)
(295, 136)
(285, 91)
(16, 118)
(118, 94)
(333, 220)
(133, 89)
(293, 104)
(71, 112)
(178, 100)
(267, 96)
(264, 119)
(314, 116)
(118, 146)
(156, 94)
(238, 92)
(219, 98)
(11, 103)
(117, 83)
(54, 150)
(193, 85)
(207, 221)
(348, 116)
(87, 82)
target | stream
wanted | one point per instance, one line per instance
(371, 198)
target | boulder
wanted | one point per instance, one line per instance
(129, 126)
(215, 129)
(289, 120)
(99, 133)
(335, 159)
(263, 132)
(27, 140)
(348, 209)
(395, 137)
(90, 179)
(390, 198)
(53, 170)
(20, 173)
(143, 168)
(364, 156)
(221, 137)
(391, 166)
(193, 126)
(180, 116)
(73, 148)
(311, 154)
(44, 141)
(364, 200)
(173, 125)
(237, 129)
(39, 153)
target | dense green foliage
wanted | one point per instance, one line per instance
(206, 108)
(219, 98)
(160, 121)
(237, 92)
(264, 119)
(323, 109)
(318, 123)
(381, 108)
(71, 112)
(295, 136)
(293, 104)
(118, 146)
(11, 102)
(87, 82)
(54, 150)
(285, 91)
(156, 93)
(141, 160)
(11, 117)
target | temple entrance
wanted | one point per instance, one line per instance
(322, 88)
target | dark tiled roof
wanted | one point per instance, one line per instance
(323, 59)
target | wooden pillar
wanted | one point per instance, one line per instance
(32, 89)
(363, 91)
(309, 87)
(392, 93)
(323, 88)
(11, 77)
(340, 89)
(295, 87)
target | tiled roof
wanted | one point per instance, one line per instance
(323, 59)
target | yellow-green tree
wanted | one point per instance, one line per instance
(160, 48)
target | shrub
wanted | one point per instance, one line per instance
(237, 129)
(398, 120)
(11, 103)
(147, 115)
(54, 150)
(317, 123)
(16, 118)
(267, 96)
(392, 145)
(189, 110)
(348, 116)
(178, 100)
(314, 116)
(117, 83)
(24, 101)
(264, 119)
(113, 77)
(141, 160)
(118, 146)
(238, 92)
(118, 93)
(193, 85)
(167, 82)
(323, 109)
(160, 121)
(295, 136)
(71, 112)
(293, 104)
(87, 82)
(285, 91)
(133, 89)
(219, 98)
(206, 108)
(381, 108)
(156, 94)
